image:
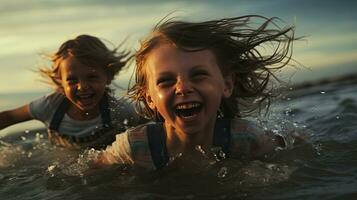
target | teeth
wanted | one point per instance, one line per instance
(188, 106)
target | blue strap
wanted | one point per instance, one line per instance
(59, 114)
(62, 109)
(157, 141)
(105, 112)
(222, 135)
(157, 144)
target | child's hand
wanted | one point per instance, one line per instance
(288, 140)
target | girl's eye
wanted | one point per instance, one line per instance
(72, 80)
(199, 74)
(163, 82)
(94, 77)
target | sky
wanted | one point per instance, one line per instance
(29, 28)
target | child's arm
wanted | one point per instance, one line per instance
(10, 117)
(251, 141)
(117, 153)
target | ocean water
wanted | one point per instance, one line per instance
(323, 167)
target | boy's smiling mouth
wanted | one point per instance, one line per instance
(188, 110)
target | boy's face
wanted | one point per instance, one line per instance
(84, 86)
(185, 87)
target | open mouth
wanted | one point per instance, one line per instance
(86, 99)
(85, 96)
(187, 110)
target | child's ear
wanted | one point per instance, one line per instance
(228, 86)
(150, 102)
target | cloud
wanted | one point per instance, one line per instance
(327, 50)
(326, 59)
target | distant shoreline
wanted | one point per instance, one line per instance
(344, 79)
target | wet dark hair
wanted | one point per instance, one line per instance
(238, 44)
(89, 50)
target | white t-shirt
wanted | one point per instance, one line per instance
(122, 115)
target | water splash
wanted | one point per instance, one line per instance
(218, 153)
(222, 173)
(199, 149)
(9, 154)
(258, 174)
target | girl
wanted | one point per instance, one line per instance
(80, 112)
(197, 80)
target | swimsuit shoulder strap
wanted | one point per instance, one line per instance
(157, 144)
(63, 107)
(222, 135)
(105, 111)
(157, 140)
(59, 113)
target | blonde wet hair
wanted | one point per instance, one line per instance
(237, 43)
(88, 50)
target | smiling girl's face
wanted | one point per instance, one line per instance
(186, 88)
(83, 85)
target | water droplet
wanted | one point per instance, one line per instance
(29, 154)
(172, 158)
(322, 92)
(222, 172)
(51, 168)
(337, 117)
(271, 166)
(222, 155)
(125, 122)
(199, 148)
(27, 131)
(318, 148)
(23, 138)
(37, 138)
(84, 181)
(275, 131)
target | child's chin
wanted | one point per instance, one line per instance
(192, 130)
(87, 108)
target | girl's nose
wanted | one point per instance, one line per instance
(183, 88)
(82, 85)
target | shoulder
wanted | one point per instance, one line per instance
(138, 134)
(242, 129)
(245, 136)
(139, 145)
(244, 126)
(132, 136)
(45, 106)
(52, 99)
